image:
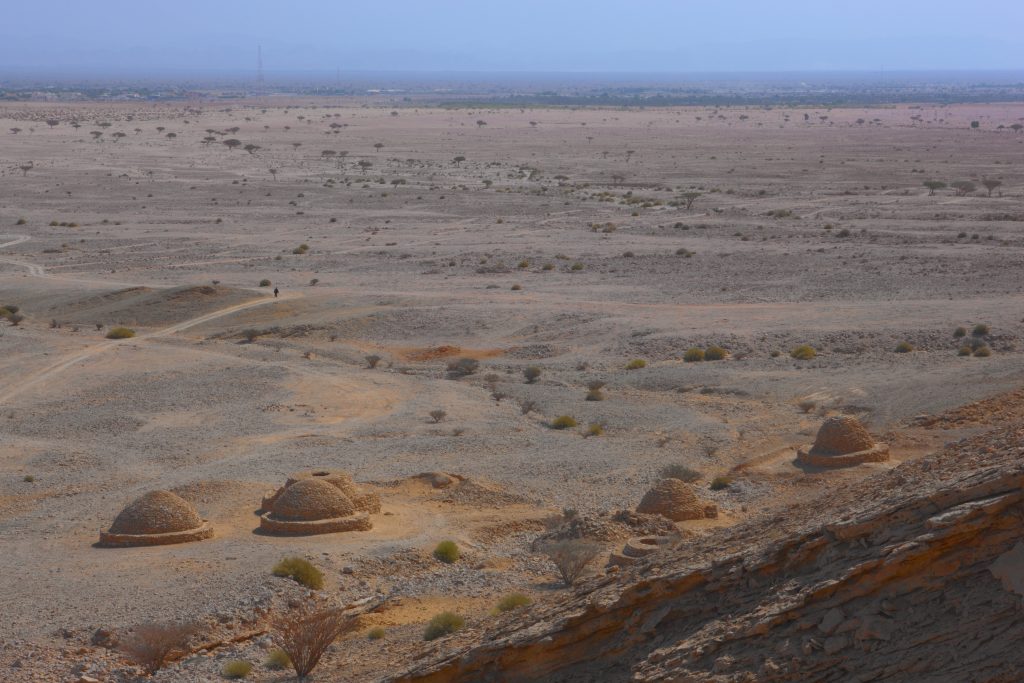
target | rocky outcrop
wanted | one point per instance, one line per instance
(914, 574)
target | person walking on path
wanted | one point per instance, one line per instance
(275, 292)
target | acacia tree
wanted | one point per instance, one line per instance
(251, 148)
(273, 172)
(689, 198)
(963, 187)
(378, 146)
(52, 122)
(933, 185)
(232, 143)
(364, 165)
(991, 185)
(458, 160)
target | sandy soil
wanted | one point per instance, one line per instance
(805, 232)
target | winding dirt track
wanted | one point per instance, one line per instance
(68, 360)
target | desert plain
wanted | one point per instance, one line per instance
(596, 245)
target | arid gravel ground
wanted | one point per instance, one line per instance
(555, 238)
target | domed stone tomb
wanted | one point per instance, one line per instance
(363, 501)
(157, 518)
(313, 506)
(675, 500)
(842, 441)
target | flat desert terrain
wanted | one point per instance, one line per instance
(595, 245)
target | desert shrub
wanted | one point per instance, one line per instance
(151, 645)
(278, 659)
(28, 479)
(681, 472)
(265, 282)
(301, 571)
(775, 353)
(721, 482)
(443, 624)
(516, 288)
(594, 429)
(447, 552)
(806, 406)
(960, 332)
(531, 373)
(437, 415)
(982, 352)
(980, 330)
(512, 601)
(548, 266)
(964, 351)
(524, 264)
(251, 335)
(715, 353)
(15, 318)
(305, 635)
(526, 407)
(462, 367)
(120, 333)
(301, 249)
(11, 308)
(563, 422)
(21, 221)
(693, 355)
(577, 266)
(372, 361)
(636, 364)
(594, 390)
(904, 347)
(803, 352)
(571, 557)
(236, 668)
(376, 633)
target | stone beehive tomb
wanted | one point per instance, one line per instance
(312, 506)
(157, 518)
(675, 500)
(842, 441)
(363, 501)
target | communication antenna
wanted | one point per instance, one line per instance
(259, 68)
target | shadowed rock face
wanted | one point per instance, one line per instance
(157, 512)
(912, 574)
(841, 435)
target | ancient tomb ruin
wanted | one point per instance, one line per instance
(157, 518)
(842, 441)
(318, 502)
(675, 500)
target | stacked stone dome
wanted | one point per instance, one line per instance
(312, 506)
(675, 500)
(842, 441)
(156, 518)
(362, 501)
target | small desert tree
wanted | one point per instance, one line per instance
(531, 373)
(305, 635)
(963, 187)
(934, 185)
(151, 645)
(689, 198)
(571, 557)
(991, 185)
(232, 144)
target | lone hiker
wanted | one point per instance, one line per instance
(275, 292)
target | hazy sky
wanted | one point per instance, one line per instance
(511, 35)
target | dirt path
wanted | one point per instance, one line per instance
(43, 376)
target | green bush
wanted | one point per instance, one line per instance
(980, 330)
(960, 332)
(376, 633)
(563, 422)
(512, 601)
(447, 552)
(120, 333)
(265, 282)
(964, 351)
(720, 482)
(693, 355)
(236, 668)
(443, 624)
(715, 353)
(904, 347)
(301, 571)
(594, 429)
(531, 373)
(278, 659)
(982, 352)
(636, 364)
(803, 352)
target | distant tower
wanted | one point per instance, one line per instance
(259, 68)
